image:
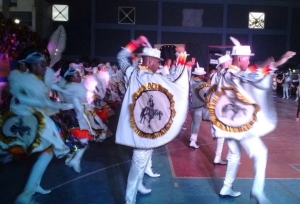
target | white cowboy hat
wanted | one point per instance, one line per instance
(242, 50)
(199, 70)
(151, 52)
(239, 49)
(223, 59)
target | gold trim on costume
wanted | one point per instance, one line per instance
(145, 68)
(210, 91)
(198, 88)
(234, 67)
(136, 95)
(211, 108)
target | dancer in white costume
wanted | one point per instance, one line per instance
(223, 62)
(242, 111)
(118, 78)
(29, 126)
(87, 125)
(197, 83)
(141, 126)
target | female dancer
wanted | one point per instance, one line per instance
(28, 127)
(82, 122)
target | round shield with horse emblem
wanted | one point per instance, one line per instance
(231, 111)
(24, 131)
(202, 91)
(22, 127)
(152, 111)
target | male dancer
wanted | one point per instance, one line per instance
(143, 127)
(196, 83)
(241, 110)
(224, 61)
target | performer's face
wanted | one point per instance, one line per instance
(76, 77)
(244, 62)
(39, 69)
(153, 64)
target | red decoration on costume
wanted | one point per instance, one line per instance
(81, 134)
(181, 59)
(102, 113)
(253, 68)
(17, 150)
(132, 46)
(266, 70)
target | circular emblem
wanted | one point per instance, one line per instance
(230, 111)
(152, 111)
(202, 91)
(25, 129)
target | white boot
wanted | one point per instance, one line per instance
(218, 159)
(194, 145)
(75, 161)
(150, 173)
(227, 191)
(142, 189)
(149, 170)
(33, 183)
(69, 157)
(261, 198)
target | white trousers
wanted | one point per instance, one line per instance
(139, 162)
(255, 149)
(218, 155)
(195, 125)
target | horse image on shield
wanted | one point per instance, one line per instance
(232, 106)
(150, 113)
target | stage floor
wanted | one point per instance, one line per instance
(187, 175)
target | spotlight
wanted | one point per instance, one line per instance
(17, 21)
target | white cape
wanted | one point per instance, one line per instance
(157, 117)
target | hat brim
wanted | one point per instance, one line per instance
(251, 54)
(203, 73)
(144, 55)
(218, 65)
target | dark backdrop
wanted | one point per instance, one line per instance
(93, 27)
